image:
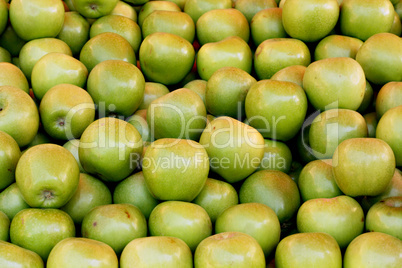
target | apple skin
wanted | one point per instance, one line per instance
(33, 19)
(11, 41)
(11, 201)
(82, 252)
(94, 9)
(40, 230)
(337, 46)
(232, 249)
(308, 250)
(15, 256)
(157, 251)
(124, 9)
(73, 145)
(91, 192)
(277, 156)
(294, 73)
(187, 221)
(9, 155)
(367, 99)
(250, 8)
(75, 31)
(4, 226)
(389, 96)
(195, 8)
(114, 224)
(149, 7)
(11, 75)
(386, 217)
(3, 15)
(19, 116)
(140, 123)
(363, 166)
(373, 249)
(266, 24)
(199, 86)
(152, 91)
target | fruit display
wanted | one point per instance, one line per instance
(201, 133)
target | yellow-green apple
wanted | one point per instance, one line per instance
(276, 108)
(4, 226)
(267, 24)
(367, 99)
(396, 27)
(277, 156)
(3, 15)
(33, 19)
(250, 7)
(82, 252)
(75, 31)
(234, 148)
(136, 2)
(308, 250)
(187, 221)
(114, 224)
(12, 201)
(15, 256)
(116, 86)
(363, 166)
(227, 249)
(337, 46)
(41, 137)
(195, 8)
(141, 124)
(152, 91)
(91, 192)
(69, 4)
(9, 155)
(199, 86)
(371, 122)
(39, 229)
(157, 251)
(152, 6)
(133, 190)
(389, 96)
(274, 189)
(5, 56)
(11, 41)
(11, 75)
(94, 9)
(125, 9)
(160, 53)
(110, 148)
(73, 145)
(294, 73)
(19, 116)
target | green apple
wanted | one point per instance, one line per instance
(226, 92)
(274, 189)
(133, 190)
(196, 8)
(389, 96)
(9, 155)
(396, 27)
(12, 201)
(373, 249)
(140, 123)
(337, 46)
(19, 116)
(120, 25)
(41, 137)
(82, 252)
(174, 22)
(380, 58)
(114, 224)
(389, 129)
(75, 31)
(152, 91)
(35, 49)
(160, 53)
(199, 86)
(136, 3)
(15, 256)
(371, 122)
(116, 86)
(152, 6)
(363, 166)
(180, 114)
(234, 148)
(218, 24)
(5, 56)
(94, 9)
(73, 145)
(367, 99)
(110, 149)
(335, 83)
(365, 18)
(124, 9)
(294, 73)
(33, 19)
(91, 192)
(187, 221)
(11, 75)
(267, 24)
(3, 15)
(157, 251)
(310, 20)
(69, 4)
(275, 54)
(47, 176)
(250, 7)
(4, 226)
(229, 52)
(276, 108)
(255, 219)
(277, 156)
(40, 230)
(386, 217)
(11, 41)
(308, 250)
(229, 249)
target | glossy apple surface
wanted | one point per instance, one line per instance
(277, 156)
(11, 75)
(12, 201)
(75, 31)
(9, 155)
(15, 256)
(337, 46)
(94, 9)
(266, 24)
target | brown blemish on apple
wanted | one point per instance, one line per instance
(128, 214)
(94, 224)
(363, 219)
(10, 170)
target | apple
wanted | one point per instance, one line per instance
(5, 56)
(82, 252)
(276, 108)
(389, 96)
(373, 249)
(294, 73)
(3, 15)
(187, 221)
(90, 193)
(114, 224)
(34, 19)
(152, 91)
(274, 189)
(229, 249)
(226, 92)
(11, 75)
(199, 86)
(19, 116)
(277, 156)
(308, 250)
(11, 41)
(124, 9)
(337, 46)
(152, 6)
(9, 155)
(75, 31)
(12, 201)
(15, 256)
(140, 123)
(363, 166)
(73, 145)
(367, 99)
(250, 7)
(116, 86)
(4, 226)
(371, 122)
(160, 53)
(196, 8)
(157, 251)
(40, 229)
(396, 27)
(234, 148)
(70, 5)
(266, 24)
(95, 8)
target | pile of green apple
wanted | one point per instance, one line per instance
(200, 133)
